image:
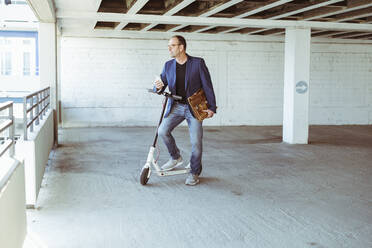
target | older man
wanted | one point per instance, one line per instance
(184, 75)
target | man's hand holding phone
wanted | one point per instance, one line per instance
(158, 83)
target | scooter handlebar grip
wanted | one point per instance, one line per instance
(177, 97)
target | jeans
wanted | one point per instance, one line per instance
(178, 113)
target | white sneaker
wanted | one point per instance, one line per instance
(192, 180)
(172, 163)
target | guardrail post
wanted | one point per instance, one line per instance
(32, 114)
(11, 131)
(48, 98)
(25, 122)
(42, 104)
(37, 109)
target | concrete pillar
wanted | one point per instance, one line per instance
(296, 85)
(48, 65)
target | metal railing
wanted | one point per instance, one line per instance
(35, 104)
(7, 123)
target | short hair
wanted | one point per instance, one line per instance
(181, 40)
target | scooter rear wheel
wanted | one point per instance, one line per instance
(144, 178)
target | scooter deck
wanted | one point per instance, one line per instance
(175, 171)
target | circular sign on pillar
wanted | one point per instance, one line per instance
(301, 87)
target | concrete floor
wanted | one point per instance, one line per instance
(255, 191)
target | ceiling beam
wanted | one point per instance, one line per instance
(309, 7)
(101, 33)
(323, 33)
(137, 6)
(294, 12)
(350, 35)
(250, 12)
(210, 12)
(354, 15)
(93, 23)
(364, 36)
(232, 22)
(209, 27)
(44, 10)
(219, 8)
(315, 31)
(271, 4)
(342, 34)
(272, 31)
(354, 5)
(329, 33)
(172, 11)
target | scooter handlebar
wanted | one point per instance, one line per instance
(175, 97)
(166, 94)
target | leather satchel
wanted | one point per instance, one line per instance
(198, 103)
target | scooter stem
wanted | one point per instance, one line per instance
(161, 118)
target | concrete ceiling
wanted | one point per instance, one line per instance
(351, 19)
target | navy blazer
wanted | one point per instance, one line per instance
(197, 76)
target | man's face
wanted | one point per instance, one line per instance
(174, 47)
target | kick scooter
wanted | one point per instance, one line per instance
(151, 162)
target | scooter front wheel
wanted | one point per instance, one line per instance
(145, 175)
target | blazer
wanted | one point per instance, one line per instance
(197, 76)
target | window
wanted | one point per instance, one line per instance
(6, 63)
(26, 64)
(18, 57)
(5, 41)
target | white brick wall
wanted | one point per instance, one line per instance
(341, 79)
(103, 81)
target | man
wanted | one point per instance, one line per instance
(184, 75)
